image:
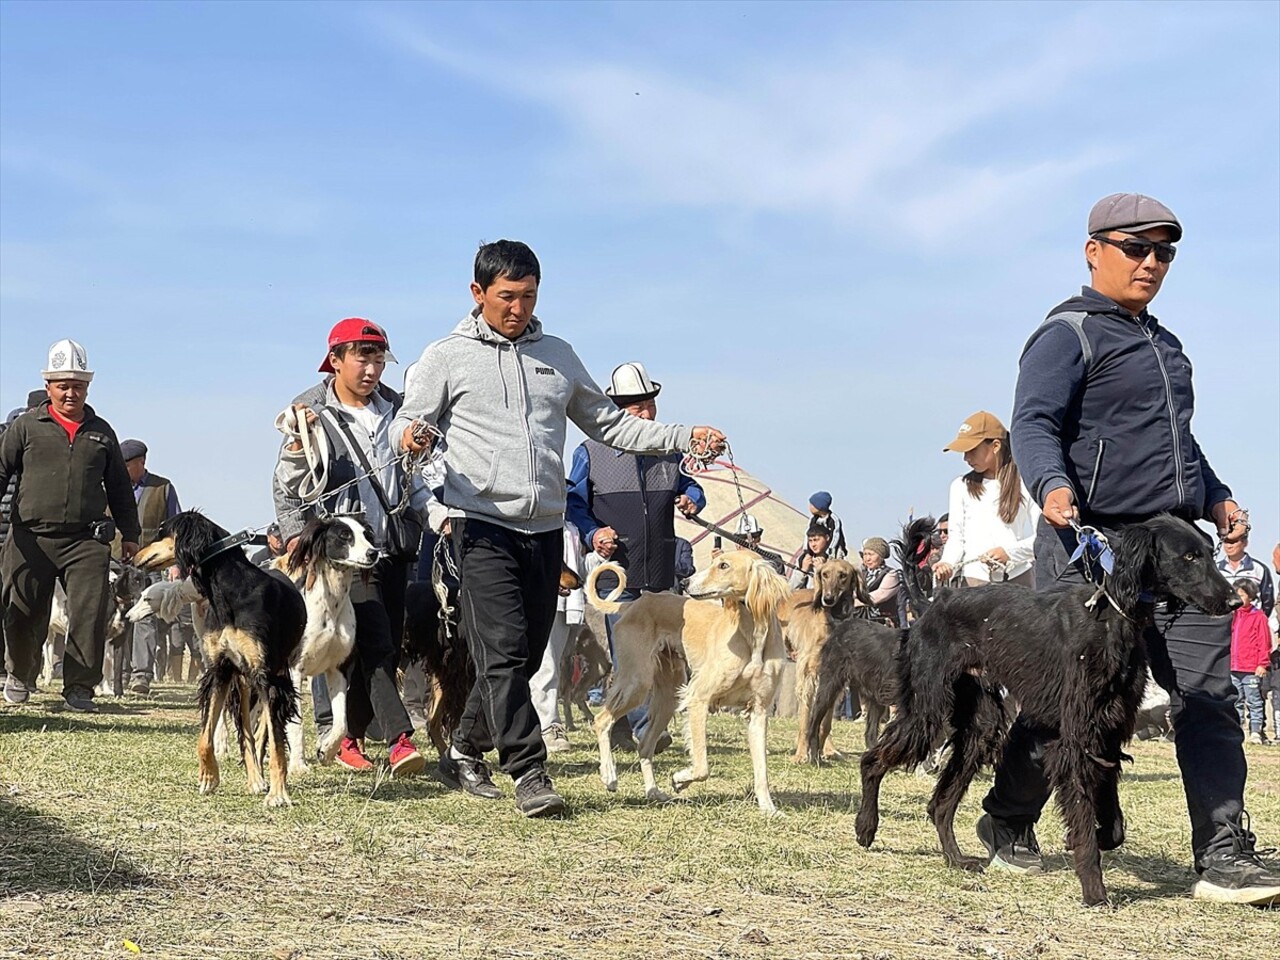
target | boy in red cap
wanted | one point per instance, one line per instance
(352, 409)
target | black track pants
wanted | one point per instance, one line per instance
(510, 584)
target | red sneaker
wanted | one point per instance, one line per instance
(352, 757)
(405, 758)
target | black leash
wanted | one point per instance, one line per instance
(732, 537)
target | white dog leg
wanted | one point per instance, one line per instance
(297, 754)
(221, 741)
(337, 684)
(757, 731)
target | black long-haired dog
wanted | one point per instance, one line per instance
(862, 654)
(252, 631)
(433, 636)
(1076, 663)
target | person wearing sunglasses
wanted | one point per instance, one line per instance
(1102, 435)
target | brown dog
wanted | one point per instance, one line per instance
(727, 633)
(806, 624)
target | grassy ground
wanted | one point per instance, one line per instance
(104, 840)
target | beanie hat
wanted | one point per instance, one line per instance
(821, 501)
(877, 545)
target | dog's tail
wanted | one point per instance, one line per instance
(912, 549)
(610, 603)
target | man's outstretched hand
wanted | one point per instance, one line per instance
(709, 440)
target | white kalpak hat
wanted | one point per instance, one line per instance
(67, 361)
(630, 383)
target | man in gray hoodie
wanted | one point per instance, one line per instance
(500, 390)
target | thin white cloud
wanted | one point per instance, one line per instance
(859, 140)
(176, 200)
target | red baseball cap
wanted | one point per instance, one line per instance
(356, 330)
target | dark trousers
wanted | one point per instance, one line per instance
(29, 565)
(510, 584)
(371, 668)
(1190, 657)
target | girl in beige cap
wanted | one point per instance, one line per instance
(992, 517)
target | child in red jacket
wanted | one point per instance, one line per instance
(1250, 657)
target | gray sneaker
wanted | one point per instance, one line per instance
(536, 797)
(555, 740)
(15, 691)
(1239, 874)
(79, 699)
(1015, 852)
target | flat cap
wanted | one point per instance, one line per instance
(1132, 212)
(130, 449)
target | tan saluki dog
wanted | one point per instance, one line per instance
(726, 634)
(806, 624)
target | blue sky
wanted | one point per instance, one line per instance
(826, 228)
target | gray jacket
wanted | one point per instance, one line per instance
(292, 514)
(501, 405)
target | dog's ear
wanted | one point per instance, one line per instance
(1135, 553)
(765, 591)
(190, 541)
(309, 547)
(844, 603)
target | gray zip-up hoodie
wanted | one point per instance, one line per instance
(501, 405)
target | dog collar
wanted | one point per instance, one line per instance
(225, 544)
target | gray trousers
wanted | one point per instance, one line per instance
(145, 640)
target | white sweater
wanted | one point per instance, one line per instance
(976, 527)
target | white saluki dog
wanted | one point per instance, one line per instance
(328, 554)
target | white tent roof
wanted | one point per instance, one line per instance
(784, 525)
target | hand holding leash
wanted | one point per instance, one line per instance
(707, 443)
(418, 437)
(1060, 508)
(1231, 520)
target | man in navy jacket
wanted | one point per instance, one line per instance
(1102, 433)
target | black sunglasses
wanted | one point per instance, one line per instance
(1140, 249)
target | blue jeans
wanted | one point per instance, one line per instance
(639, 717)
(1249, 697)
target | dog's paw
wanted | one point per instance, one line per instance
(277, 800)
(298, 768)
(681, 779)
(655, 795)
(208, 783)
(770, 811)
(256, 786)
(969, 864)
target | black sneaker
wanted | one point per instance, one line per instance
(1239, 874)
(80, 700)
(467, 774)
(536, 797)
(1015, 852)
(15, 691)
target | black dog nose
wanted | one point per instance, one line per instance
(1235, 602)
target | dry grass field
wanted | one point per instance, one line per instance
(106, 850)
